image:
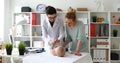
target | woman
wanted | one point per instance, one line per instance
(52, 31)
(75, 34)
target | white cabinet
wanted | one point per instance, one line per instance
(115, 36)
(27, 28)
(105, 37)
(99, 37)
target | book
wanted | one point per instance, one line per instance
(92, 30)
(38, 17)
(94, 55)
(33, 18)
(102, 43)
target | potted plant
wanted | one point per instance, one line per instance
(115, 32)
(9, 47)
(21, 48)
(94, 18)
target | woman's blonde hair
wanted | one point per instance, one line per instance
(71, 14)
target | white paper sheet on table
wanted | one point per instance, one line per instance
(48, 58)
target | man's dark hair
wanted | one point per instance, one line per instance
(50, 10)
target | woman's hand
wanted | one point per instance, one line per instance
(77, 53)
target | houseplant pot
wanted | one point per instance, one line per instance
(21, 48)
(94, 18)
(115, 32)
(9, 47)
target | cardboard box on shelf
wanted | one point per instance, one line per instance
(82, 9)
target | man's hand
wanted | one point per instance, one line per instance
(52, 42)
(57, 41)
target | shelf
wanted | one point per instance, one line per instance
(115, 12)
(115, 61)
(76, 12)
(36, 25)
(115, 37)
(99, 48)
(82, 11)
(98, 23)
(22, 36)
(26, 24)
(22, 13)
(36, 36)
(114, 16)
(115, 24)
(101, 61)
(103, 12)
(39, 12)
(115, 49)
(100, 37)
(100, 29)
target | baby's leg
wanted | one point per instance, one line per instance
(60, 51)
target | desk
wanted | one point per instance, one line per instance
(48, 58)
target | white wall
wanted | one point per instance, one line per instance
(2, 20)
(7, 18)
(7, 23)
(65, 4)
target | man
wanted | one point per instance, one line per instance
(52, 30)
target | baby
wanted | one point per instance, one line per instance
(57, 51)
